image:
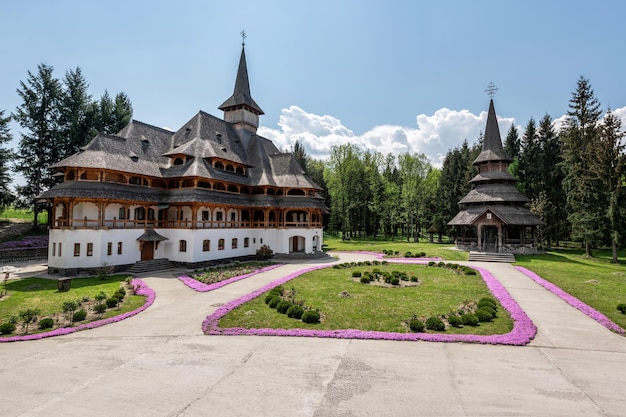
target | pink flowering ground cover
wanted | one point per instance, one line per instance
(571, 300)
(523, 330)
(202, 287)
(140, 289)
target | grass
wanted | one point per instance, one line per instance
(441, 250)
(23, 215)
(370, 307)
(42, 294)
(594, 281)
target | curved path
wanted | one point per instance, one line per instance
(159, 363)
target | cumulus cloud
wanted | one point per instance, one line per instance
(433, 135)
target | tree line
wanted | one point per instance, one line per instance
(57, 117)
(573, 176)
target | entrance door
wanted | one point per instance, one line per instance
(147, 251)
(294, 244)
(490, 237)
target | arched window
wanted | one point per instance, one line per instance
(219, 186)
(182, 246)
(233, 188)
(296, 191)
(234, 243)
(178, 161)
(140, 213)
(246, 242)
(230, 168)
(122, 213)
(206, 245)
(239, 171)
(219, 165)
(220, 244)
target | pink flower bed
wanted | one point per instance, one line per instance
(202, 287)
(571, 300)
(523, 331)
(140, 289)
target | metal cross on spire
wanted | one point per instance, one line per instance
(491, 89)
(243, 38)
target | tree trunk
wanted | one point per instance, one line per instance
(614, 250)
(588, 248)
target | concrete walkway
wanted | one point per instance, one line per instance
(160, 364)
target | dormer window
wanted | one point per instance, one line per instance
(178, 161)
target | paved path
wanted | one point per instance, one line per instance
(160, 364)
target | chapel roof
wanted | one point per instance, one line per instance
(492, 142)
(241, 95)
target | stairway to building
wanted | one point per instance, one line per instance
(491, 257)
(148, 266)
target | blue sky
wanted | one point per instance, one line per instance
(393, 76)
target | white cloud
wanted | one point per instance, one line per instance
(433, 136)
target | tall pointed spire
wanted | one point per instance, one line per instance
(492, 142)
(241, 96)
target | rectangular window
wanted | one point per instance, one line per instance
(233, 216)
(89, 249)
(246, 242)
(60, 248)
(182, 246)
(261, 241)
(220, 244)
(119, 248)
(234, 243)
(76, 249)
(205, 215)
(54, 249)
(110, 248)
(206, 245)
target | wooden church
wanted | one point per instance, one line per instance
(493, 215)
(212, 190)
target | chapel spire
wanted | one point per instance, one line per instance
(492, 142)
(241, 102)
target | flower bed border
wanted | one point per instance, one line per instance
(523, 328)
(196, 285)
(571, 300)
(140, 289)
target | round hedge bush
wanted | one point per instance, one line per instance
(356, 274)
(454, 320)
(311, 316)
(435, 324)
(295, 312)
(483, 315)
(79, 315)
(268, 297)
(491, 310)
(283, 306)
(487, 301)
(46, 323)
(7, 328)
(416, 325)
(622, 308)
(112, 302)
(365, 280)
(274, 301)
(100, 308)
(394, 281)
(469, 320)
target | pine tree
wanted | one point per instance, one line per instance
(39, 146)
(299, 153)
(530, 162)
(6, 156)
(75, 119)
(582, 188)
(512, 144)
(608, 163)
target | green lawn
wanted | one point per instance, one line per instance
(42, 294)
(370, 307)
(595, 281)
(442, 250)
(20, 214)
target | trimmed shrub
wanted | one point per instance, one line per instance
(311, 316)
(279, 289)
(365, 279)
(408, 254)
(487, 302)
(432, 263)
(483, 315)
(80, 315)
(268, 297)
(356, 274)
(295, 312)
(46, 323)
(469, 271)
(416, 325)
(274, 301)
(435, 324)
(264, 253)
(622, 308)
(422, 255)
(394, 281)
(100, 308)
(491, 310)
(469, 320)
(414, 279)
(454, 320)
(112, 302)
(7, 328)
(384, 263)
(441, 264)
(283, 306)
(375, 262)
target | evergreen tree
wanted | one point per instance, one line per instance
(530, 162)
(297, 149)
(6, 156)
(512, 144)
(38, 115)
(582, 187)
(76, 118)
(608, 163)
(111, 115)
(122, 113)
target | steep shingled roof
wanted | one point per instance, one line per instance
(241, 95)
(492, 143)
